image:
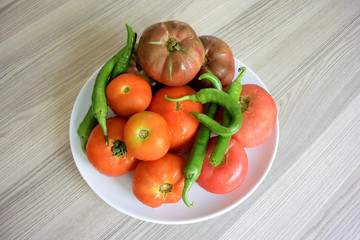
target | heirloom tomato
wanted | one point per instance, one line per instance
(160, 181)
(170, 53)
(147, 136)
(113, 160)
(219, 61)
(183, 125)
(259, 115)
(128, 94)
(231, 172)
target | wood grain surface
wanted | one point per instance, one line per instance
(306, 52)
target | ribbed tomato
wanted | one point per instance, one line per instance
(170, 52)
(219, 61)
(183, 126)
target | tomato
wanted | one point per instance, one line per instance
(231, 172)
(113, 160)
(259, 116)
(219, 61)
(128, 94)
(147, 136)
(160, 181)
(183, 126)
(170, 52)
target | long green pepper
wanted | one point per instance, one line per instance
(98, 110)
(125, 57)
(222, 142)
(99, 103)
(194, 163)
(192, 168)
(100, 107)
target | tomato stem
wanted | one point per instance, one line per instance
(173, 45)
(177, 107)
(125, 89)
(118, 148)
(244, 103)
(166, 188)
(144, 133)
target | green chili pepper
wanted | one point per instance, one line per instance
(85, 127)
(90, 120)
(100, 107)
(192, 168)
(99, 103)
(225, 100)
(222, 142)
(124, 58)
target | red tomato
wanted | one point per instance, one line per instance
(128, 94)
(113, 160)
(183, 126)
(231, 172)
(170, 53)
(147, 136)
(160, 181)
(259, 116)
(219, 61)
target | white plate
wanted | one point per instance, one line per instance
(117, 192)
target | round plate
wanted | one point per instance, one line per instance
(117, 192)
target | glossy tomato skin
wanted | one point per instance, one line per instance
(147, 136)
(128, 94)
(219, 61)
(170, 53)
(160, 181)
(183, 125)
(259, 116)
(102, 156)
(231, 172)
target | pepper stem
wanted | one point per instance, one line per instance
(242, 71)
(187, 186)
(192, 98)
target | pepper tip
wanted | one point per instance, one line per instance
(106, 140)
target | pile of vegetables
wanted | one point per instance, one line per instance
(170, 92)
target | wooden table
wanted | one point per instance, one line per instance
(306, 52)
